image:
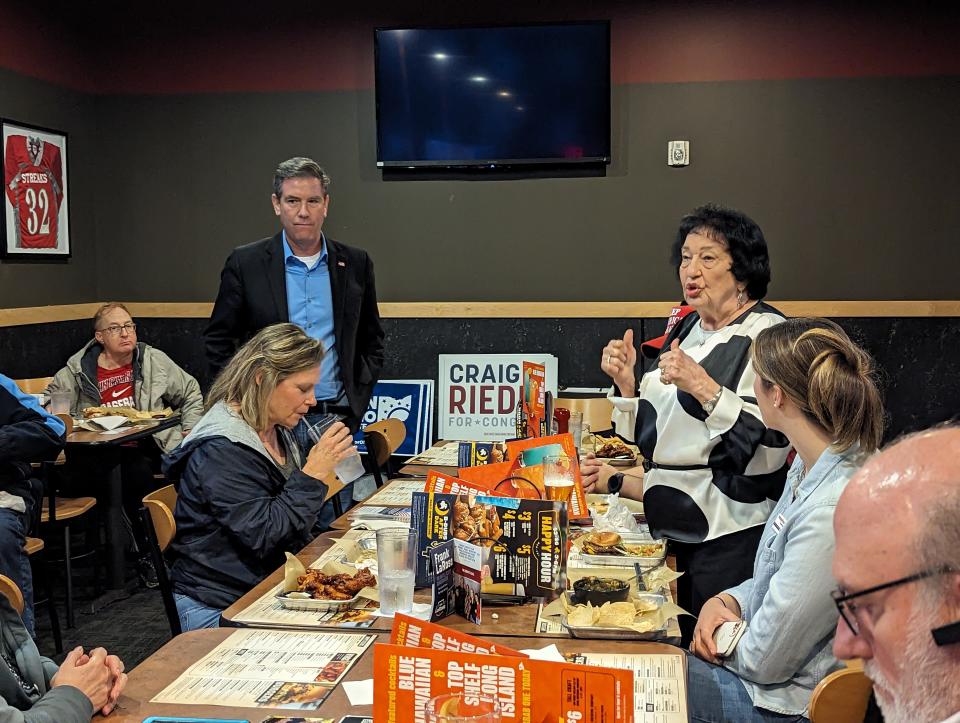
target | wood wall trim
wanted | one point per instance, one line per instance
(503, 310)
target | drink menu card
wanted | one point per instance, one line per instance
(522, 475)
(521, 540)
(268, 669)
(659, 683)
(534, 400)
(527, 689)
(415, 633)
(445, 484)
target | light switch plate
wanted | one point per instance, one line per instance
(678, 153)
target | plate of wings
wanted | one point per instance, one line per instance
(318, 591)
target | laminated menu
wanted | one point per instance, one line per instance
(527, 689)
(416, 633)
(268, 669)
(522, 540)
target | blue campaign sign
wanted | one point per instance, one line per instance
(410, 401)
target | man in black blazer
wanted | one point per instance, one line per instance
(301, 276)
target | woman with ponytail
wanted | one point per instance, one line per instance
(815, 386)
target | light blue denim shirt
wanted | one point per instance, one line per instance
(310, 306)
(791, 618)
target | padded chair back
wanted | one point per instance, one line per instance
(160, 528)
(9, 589)
(37, 385)
(161, 505)
(841, 697)
(596, 411)
(383, 439)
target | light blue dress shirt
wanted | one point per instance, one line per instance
(310, 306)
(791, 618)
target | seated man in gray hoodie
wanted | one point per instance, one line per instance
(114, 369)
(245, 495)
(34, 689)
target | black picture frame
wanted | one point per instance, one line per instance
(36, 212)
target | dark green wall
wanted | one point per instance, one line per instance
(853, 181)
(36, 283)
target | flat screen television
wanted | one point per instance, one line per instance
(493, 96)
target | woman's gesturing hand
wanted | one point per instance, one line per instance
(618, 360)
(678, 368)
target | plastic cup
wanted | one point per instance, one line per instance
(60, 402)
(396, 568)
(455, 708)
(349, 468)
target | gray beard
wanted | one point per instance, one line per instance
(928, 691)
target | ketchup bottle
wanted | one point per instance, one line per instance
(563, 419)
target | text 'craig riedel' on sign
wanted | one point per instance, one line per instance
(478, 394)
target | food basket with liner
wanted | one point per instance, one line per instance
(615, 560)
(292, 599)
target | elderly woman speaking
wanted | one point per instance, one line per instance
(245, 495)
(712, 471)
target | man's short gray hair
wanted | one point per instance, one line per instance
(299, 167)
(938, 545)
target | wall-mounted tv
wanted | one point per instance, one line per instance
(493, 96)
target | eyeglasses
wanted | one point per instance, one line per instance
(115, 329)
(707, 260)
(848, 609)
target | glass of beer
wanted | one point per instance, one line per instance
(558, 477)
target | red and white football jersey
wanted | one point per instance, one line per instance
(33, 176)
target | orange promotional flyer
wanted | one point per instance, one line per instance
(534, 399)
(532, 691)
(527, 459)
(416, 633)
(440, 483)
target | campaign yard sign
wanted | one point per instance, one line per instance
(479, 393)
(410, 401)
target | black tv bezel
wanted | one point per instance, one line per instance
(491, 163)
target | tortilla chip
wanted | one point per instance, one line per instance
(582, 616)
(616, 615)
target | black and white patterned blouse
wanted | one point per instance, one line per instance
(709, 475)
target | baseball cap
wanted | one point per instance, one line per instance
(652, 347)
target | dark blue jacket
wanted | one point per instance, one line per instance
(27, 434)
(236, 514)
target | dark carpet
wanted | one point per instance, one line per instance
(131, 628)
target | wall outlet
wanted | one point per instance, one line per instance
(678, 153)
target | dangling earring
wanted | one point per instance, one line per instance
(740, 298)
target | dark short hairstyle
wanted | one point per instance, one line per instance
(744, 239)
(299, 167)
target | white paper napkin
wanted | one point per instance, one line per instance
(360, 692)
(548, 653)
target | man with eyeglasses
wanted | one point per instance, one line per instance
(114, 369)
(897, 562)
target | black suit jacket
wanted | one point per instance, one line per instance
(253, 294)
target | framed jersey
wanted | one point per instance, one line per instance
(36, 219)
